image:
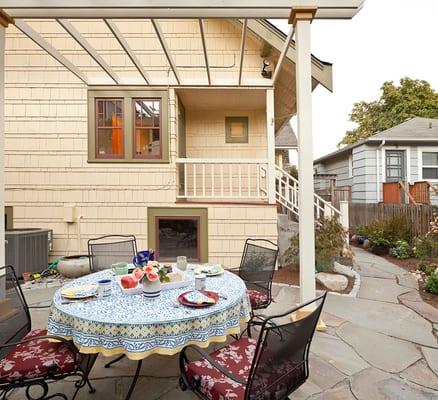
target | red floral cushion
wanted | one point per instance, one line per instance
(257, 298)
(273, 380)
(36, 358)
(236, 358)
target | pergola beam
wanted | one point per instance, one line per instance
(45, 45)
(128, 50)
(327, 9)
(204, 47)
(166, 50)
(283, 53)
(242, 49)
(75, 34)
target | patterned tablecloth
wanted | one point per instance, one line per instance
(138, 327)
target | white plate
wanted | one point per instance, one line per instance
(207, 270)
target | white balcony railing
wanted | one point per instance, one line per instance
(222, 179)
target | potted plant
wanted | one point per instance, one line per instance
(151, 275)
(379, 245)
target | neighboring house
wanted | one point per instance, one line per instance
(407, 152)
(285, 142)
(177, 149)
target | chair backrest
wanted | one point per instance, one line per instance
(280, 363)
(107, 250)
(14, 313)
(258, 262)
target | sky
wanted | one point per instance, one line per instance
(386, 41)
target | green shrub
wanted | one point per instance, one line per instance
(427, 267)
(425, 246)
(401, 250)
(329, 242)
(293, 171)
(432, 283)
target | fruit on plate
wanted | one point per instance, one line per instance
(128, 282)
(137, 274)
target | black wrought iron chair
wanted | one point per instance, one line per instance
(31, 358)
(110, 249)
(257, 268)
(270, 368)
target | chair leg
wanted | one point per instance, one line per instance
(107, 365)
(134, 380)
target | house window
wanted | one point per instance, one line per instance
(174, 232)
(128, 126)
(147, 124)
(177, 236)
(430, 165)
(109, 128)
(395, 165)
(236, 129)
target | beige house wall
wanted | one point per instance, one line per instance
(46, 138)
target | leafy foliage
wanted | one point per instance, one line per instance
(413, 98)
(432, 283)
(293, 171)
(401, 249)
(329, 242)
(427, 267)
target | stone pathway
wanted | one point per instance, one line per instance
(381, 345)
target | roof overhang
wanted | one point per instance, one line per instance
(326, 9)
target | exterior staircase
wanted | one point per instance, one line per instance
(286, 195)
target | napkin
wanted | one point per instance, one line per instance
(196, 297)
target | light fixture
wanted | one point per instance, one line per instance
(266, 74)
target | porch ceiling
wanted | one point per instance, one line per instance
(225, 99)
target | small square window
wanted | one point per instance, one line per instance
(236, 129)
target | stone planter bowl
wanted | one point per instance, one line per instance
(74, 266)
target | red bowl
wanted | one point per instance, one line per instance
(208, 293)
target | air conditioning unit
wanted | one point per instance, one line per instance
(27, 249)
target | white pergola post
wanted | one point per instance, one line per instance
(4, 20)
(270, 136)
(301, 18)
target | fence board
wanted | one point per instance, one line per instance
(418, 215)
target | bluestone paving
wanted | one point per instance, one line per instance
(382, 331)
(407, 280)
(378, 289)
(381, 351)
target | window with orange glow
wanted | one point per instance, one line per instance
(109, 128)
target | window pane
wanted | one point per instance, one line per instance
(430, 173)
(237, 129)
(147, 140)
(109, 128)
(178, 237)
(430, 158)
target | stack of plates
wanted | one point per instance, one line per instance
(79, 292)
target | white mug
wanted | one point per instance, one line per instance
(104, 287)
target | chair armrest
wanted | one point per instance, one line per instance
(39, 307)
(234, 270)
(64, 341)
(207, 357)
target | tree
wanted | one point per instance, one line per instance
(413, 98)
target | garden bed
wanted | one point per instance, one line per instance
(410, 265)
(290, 275)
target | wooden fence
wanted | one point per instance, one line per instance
(418, 215)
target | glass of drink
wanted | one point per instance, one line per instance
(181, 263)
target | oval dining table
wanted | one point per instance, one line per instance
(136, 327)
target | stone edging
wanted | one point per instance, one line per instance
(353, 293)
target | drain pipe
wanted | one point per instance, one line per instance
(380, 147)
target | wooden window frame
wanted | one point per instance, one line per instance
(228, 137)
(128, 123)
(178, 212)
(134, 127)
(423, 165)
(196, 218)
(96, 119)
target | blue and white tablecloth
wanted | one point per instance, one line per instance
(138, 327)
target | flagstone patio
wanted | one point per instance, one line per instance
(381, 345)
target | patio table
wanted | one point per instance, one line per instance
(137, 327)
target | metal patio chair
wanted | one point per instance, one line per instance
(31, 358)
(256, 269)
(110, 249)
(270, 368)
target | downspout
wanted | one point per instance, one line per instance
(379, 148)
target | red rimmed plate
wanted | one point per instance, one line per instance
(207, 293)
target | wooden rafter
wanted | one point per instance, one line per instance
(283, 54)
(45, 45)
(128, 50)
(76, 35)
(204, 47)
(166, 50)
(242, 49)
